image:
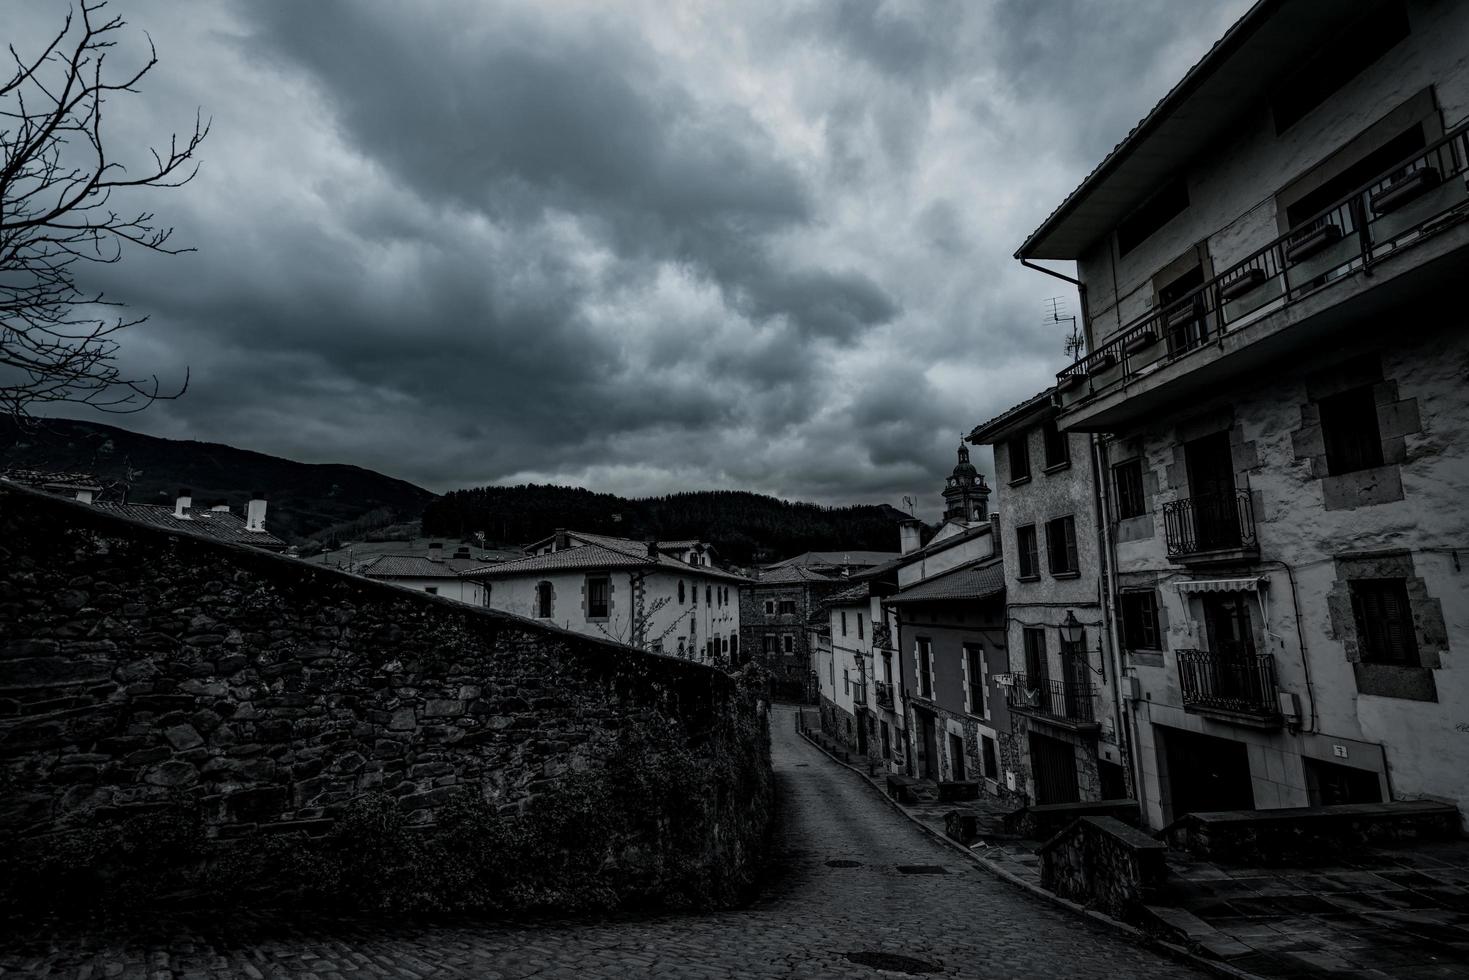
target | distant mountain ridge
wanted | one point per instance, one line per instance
(306, 499)
(743, 526)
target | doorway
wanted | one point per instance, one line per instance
(1332, 784)
(861, 733)
(1206, 773)
(1053, 770)
(1186, 325)
(1211, 489)
(956, 758)
(928, 745)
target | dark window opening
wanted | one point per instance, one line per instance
(1058, 447)
(1128, 478)
(1349, 430)
(1384, 622)
(1019, 453)
(974, 663)
(1026, 549)
(543, 600)
(1395, 150)
(1186, 325)
(1037, 670)
(1139, 620)
(788, 607)
(1155, 212)
(925, 659)
(599, 590)
(1340, 60)
(1061, 546)
(987, 753)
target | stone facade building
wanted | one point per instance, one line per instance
(1271, 267)
(1065, 742)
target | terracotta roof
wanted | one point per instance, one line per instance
(857, 593)
(609, 552)
(416, 566)
(835, 558)
(220, 525)
(792, 574)
(979, 579)
(52, 480)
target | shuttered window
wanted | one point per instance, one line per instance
(1128, 477)
(1026, 549)
(1061, 545)
(1384, 621)
(1349, 429)
(1139, 620)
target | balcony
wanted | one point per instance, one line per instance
(1237, 687)
(1070, 703)
(1211, 528)
(1311, 272)
(884, 695)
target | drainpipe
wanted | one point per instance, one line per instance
(1103, 502)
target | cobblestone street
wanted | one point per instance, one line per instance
(854, 878)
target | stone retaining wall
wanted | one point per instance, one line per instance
(1103, 863)
(141, 668)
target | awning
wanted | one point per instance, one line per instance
(1221, 585)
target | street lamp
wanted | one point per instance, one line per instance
(1073, 635)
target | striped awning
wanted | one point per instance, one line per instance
(1221, 585)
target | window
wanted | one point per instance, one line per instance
(1058, 447)
(846, 681)
(925, 665)
(599, 595)
(682, 647)
(543, 600)
(657, 646)
(1061, 546)
(770, 607)
(486, 593)
(680, 592)
(1349, 429)
(1128, 478)
(432, 589)
(887, 669)
(788, 643)
(987, 753)
(974, 665)
(788, 607)
(1171, 199)
(1384, 621)
(1036, 669)
(1018, 451)
(694, 594)
(767, 643)
(844, 622)
(859, 626)
(1352, 176)
(1139, 620)
(724, 645)
(709, 595)
(1025, 549)
(1339, 61)
(734, 644)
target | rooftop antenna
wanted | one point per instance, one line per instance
(1056, 313)
(911, 503)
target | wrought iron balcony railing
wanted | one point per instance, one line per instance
(1420, 196)
(884, 695)
(1070, 701)
(1210, 522)
(1240, 682)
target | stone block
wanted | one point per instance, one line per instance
(171, 773)
(403, 720)
(183, 737)
(33, 672)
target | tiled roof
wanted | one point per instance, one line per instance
(977, 580)
(416, 566)
(857, 593)
(854, 558)
(792, 575)
(217, 524)
(997, 423)
(933, 547)
(52, 480)
(609, 552)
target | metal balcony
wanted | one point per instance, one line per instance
(1237, 683)
(884, 695)
(1415, 199)
(1070, 702)
(1211, 527)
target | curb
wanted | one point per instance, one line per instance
(1170, 949)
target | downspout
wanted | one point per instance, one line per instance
(1102, 499)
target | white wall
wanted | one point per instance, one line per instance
(449, 588)
(979, 546)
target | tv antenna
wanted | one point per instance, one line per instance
(911, 504)
(1056, 313)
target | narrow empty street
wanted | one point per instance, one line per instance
(858, 890)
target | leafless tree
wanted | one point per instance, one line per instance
(56, 187)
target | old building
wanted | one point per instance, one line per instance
(624, 590)
(781, 601)
(432, 572)
(1065, 742)
(1271, 266)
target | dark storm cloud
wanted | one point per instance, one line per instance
(642, 247)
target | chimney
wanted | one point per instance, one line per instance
(653, 550)
(435, 551)
(255, 512)
(220, 507)
(995, 534)
(910, 535)
(562, 542)
(462, 552)
(183, 503)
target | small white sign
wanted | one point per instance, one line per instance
(1340, 751)
(1005, 680)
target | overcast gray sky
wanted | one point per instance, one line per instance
(637, 246)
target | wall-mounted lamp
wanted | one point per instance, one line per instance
(1073, 635)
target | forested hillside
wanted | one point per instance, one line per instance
(738, 523)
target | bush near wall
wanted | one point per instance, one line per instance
(186, 721)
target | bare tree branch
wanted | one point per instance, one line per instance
(56, 185)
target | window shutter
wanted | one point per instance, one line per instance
(1070, 529)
